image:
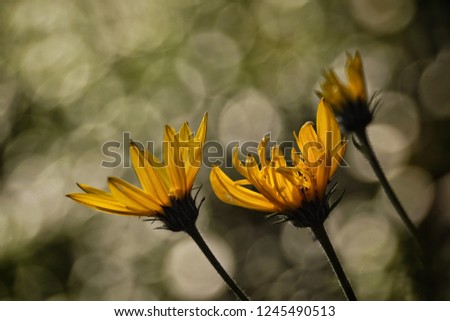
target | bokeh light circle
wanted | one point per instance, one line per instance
(242, 112)
(190, 275)
(433, 86)
(383, 16)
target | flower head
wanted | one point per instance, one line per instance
(297, 193)
(321, 152)
(275, 193)
(165, 186)
(349, 101)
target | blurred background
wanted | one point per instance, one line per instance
(75, 74)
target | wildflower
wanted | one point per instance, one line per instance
(296, 193)
(349, 102)
(165, 192)
(351, 105)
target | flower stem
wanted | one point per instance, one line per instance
(366, 149)
(193, 232)
(322, 236)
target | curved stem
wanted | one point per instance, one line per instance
(366, 149)
(322, 236)
(193, 232)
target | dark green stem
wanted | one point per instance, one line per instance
(366, 149)
(321, 234)
(198, 239)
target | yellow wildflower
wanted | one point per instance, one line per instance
(289, 191)
(349, 101)
(165, 186)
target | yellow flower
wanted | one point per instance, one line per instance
(291, 191)
(275, 193)
(349, 101)
(321, 151)
(164, 185)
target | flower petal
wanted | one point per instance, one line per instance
(355, 75)
(322, 178)
(200, 135)
(289, 193)
(193, 163)
(327, 127)
(131, 196)
(149, 178)
(237, 162)
(242, 182)
(92, 190)
(160, 168)
(185, 132)
(106, 205)
(228, 192)
(262, 183)
(277, 158)
(310, 146)
(174, 163)
(262, 149)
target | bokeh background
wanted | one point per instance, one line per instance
(75, 74)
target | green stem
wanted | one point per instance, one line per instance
(368, 152)
(322, 236)
(198, 239)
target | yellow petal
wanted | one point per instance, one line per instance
(327, 127)
(322, 177)
(262, 148)
(261, 183)
(185, 132)
(286, 193)
(174, 162)
(237, 162)
(242, 182)
(131, 196)
(200, 135)
(185, 139)
(289, 193)
(293, 175)
(330, 134)
(278, 157)
(194, 162)
(309, 144)
(139, 168)
(106, 205)
(334, 91)
(149, 178)
(355, 75)
(296, 157)
(92, 190)
(159, 167)
(228, 192)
